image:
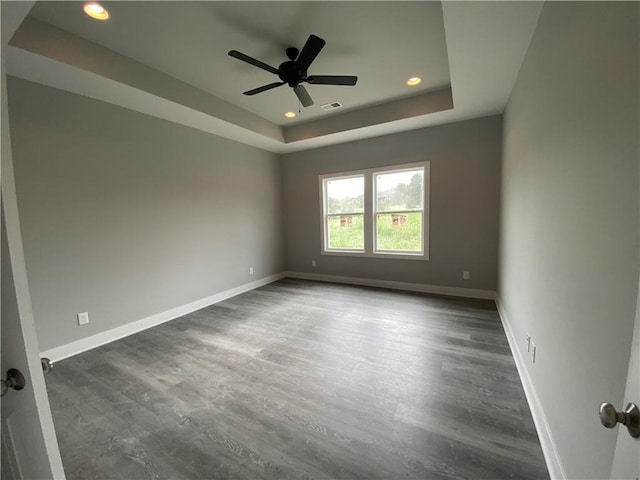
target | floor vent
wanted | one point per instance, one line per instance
(331, 106)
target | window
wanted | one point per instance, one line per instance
(376, 212)
(345, 213)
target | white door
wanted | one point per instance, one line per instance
(626, 460)
(29, 446)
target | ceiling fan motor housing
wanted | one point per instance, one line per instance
(291, 73)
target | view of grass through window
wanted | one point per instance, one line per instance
(394, 236)
(398, 205)
(345, 212)
(346, 237)
(398, 212)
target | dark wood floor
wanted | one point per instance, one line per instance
(302, 380)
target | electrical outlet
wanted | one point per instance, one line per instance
(465, 275)
(313, 263)
(250, 270)
(83, 318)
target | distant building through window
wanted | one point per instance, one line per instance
(398, 219)
(346, 220)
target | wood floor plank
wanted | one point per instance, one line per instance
(302, 380)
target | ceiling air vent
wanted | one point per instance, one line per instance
(331, 106)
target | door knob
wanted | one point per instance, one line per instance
(630, 418)
(14, 380)
(47, 365)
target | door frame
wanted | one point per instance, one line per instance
(32, 403)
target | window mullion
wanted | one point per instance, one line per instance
(368, 213)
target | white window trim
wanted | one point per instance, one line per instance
(369, 212)
(325, 240)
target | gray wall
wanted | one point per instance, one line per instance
(569, 225)
(125, 216)
(465, 184)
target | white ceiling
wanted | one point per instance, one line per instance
(190, 40)
(169, 59)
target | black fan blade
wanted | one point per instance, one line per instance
(263, 88)
(253, 61)
(303, 96)
(332, 80)
(309, 52)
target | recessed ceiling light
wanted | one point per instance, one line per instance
(95, 10)
(414, 81)
(290, 114)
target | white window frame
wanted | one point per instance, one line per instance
(325, 234)
(370, 234)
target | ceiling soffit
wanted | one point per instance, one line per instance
(382, 42)
(77, 55)
(485, 45)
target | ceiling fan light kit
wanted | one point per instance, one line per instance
(294, 71)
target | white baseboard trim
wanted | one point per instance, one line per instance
(74, 348)
(412, 287)
(549, 448)
(88, 343)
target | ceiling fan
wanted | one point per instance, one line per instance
(294, 71)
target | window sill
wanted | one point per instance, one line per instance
(391, 256)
